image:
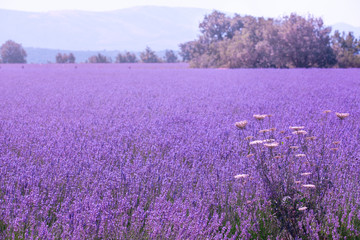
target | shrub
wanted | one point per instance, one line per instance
(12, 52)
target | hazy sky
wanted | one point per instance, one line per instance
(332, 11)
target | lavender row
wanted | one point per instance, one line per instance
(112, 152)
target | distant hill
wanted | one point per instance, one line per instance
(126, 29)
(87, 33)
(346, 28)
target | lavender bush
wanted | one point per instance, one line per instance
(140, 152)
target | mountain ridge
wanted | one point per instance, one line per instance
(125, 29)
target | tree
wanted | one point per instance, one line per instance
(257, 42)
(256, 46)
(71, 58)
(236, 25)
(131, 57)
(12, 52)
(149, 56)
(64, 58)
(217, 26)
(347, 49)
(120, 58)
(61, 58)
(306, 42)
(193, 49)
(170, 56)
(126, 58)
(99, 59)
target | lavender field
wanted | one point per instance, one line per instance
(165, 152)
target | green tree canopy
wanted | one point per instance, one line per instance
(99, 58)
(257, 42)
(71, 58)
(149, 56)
(217, 26)
(347, 49)
(306, 42)
(12, 52)
(126, 58)
(170, 56)
(65, 58)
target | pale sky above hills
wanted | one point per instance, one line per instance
(332, 11)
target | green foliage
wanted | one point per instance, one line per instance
(64, 58)
(3, 227)
(192, 50)
(306, 42)
(99, 59)
(347, 49)
(170, 56)
(217, 26)
(126, 58)
(12, 52)
(71, 58)
(256, 46)
(250, 42)
(149, 56)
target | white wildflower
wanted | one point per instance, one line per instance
(297, 128)
(241, 124)
(302, 208)
(300, 132)
(241, 176)
(342, 116)
(259, 116)
(308, 185)
(271, 145)
(306, 174)
(256, 142)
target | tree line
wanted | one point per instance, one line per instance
(292, 41)
(255, 42)
(12, 52)
(147, 56)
